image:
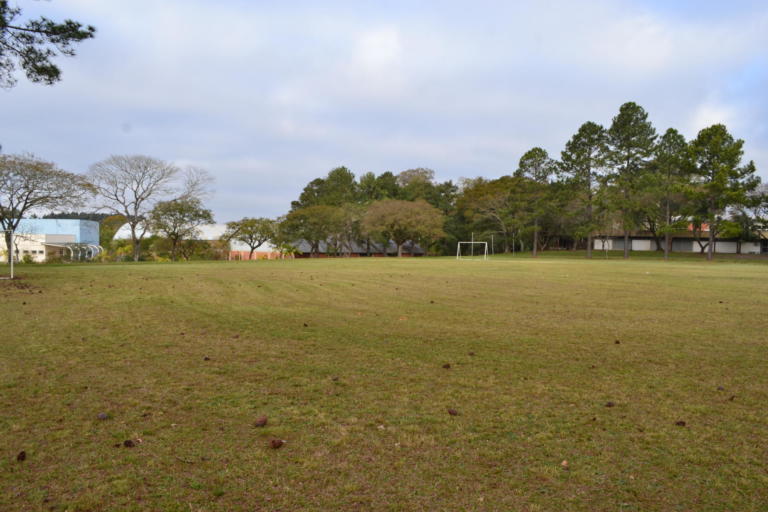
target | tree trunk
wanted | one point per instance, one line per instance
(250, 254)
(626, 244)
(590, 243)
(136, 250)
(667, 236)
(174, 249)
(8, 246)
(711, 244)
(535, 237)
(400, 250)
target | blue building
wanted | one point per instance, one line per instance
(43, 239)
(84, 231)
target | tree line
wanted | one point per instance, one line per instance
(145, 194)
(619, 180)
(612, 181)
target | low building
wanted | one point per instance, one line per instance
(41, 240)
(682, 241)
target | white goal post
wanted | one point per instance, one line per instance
(480, 253)
(8, 252)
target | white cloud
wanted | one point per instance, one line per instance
(711, 112)
(269, 96)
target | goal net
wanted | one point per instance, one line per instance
(6, 259)
(472, 251)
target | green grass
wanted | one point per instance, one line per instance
(346, 359)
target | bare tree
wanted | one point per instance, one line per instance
(197, 184)
(131, 186)
(29, 184)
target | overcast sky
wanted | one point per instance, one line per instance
(269, 95)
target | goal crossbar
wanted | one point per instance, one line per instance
(482, 253)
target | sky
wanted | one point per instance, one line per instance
(269, 95)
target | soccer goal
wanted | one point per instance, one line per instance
(7, 260)
(472, 251)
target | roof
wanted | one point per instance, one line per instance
(360, 247)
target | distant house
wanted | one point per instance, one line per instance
(44, 239)
(356, 249)
(238, 251)
(682, 241)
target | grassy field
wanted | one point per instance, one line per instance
(596, 363)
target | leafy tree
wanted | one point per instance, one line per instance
(29, 184)
(536, 166)
(32, 44)
(721, 181)
(744, 226)
(665, 182)
(631, 139)
(314, 224)
(253, 232)
(337, 188)
(345, 229)
(179, 220)
(372, 187)
(130, 186)
(582, 165)
(497, 206)
(415, 183)
(403, 221)
(109, 227)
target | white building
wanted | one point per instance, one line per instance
(680, 243)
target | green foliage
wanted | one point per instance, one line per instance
(33, 44)
(720, 180)
(664, 202)
(582, 169)
(109, 227)
(536, 165)
(179, 220)
(403, 221)
(499, 206)
(253, 232)
(624, 179)
(337, 188)
(373, 188)
(98, 217)
(631, 143)
(314, 224)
